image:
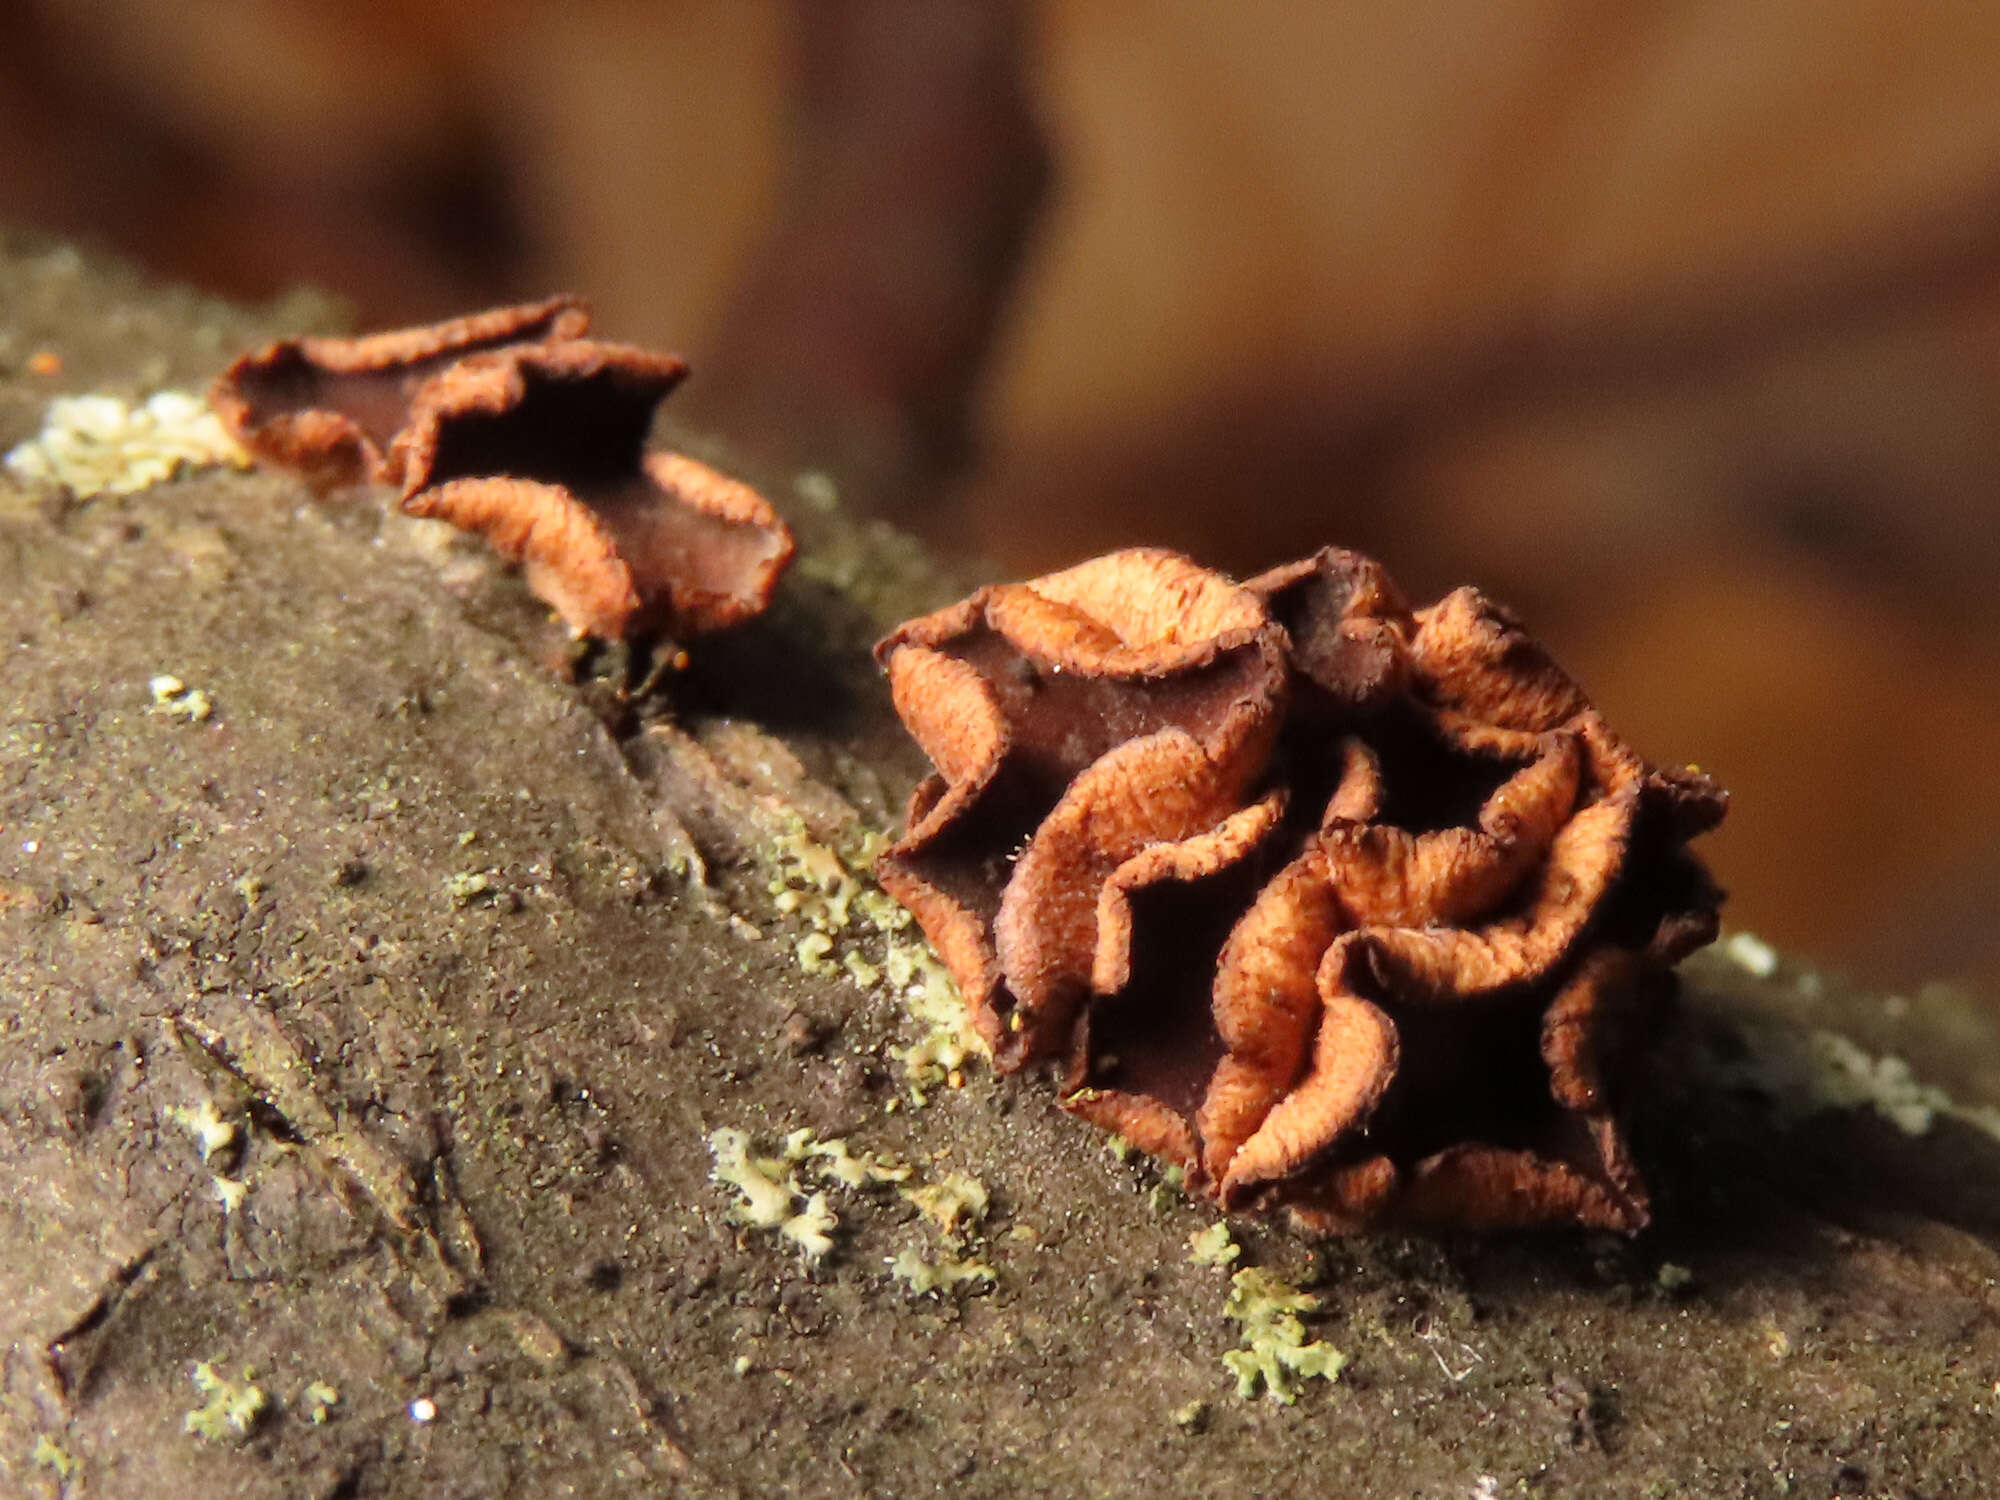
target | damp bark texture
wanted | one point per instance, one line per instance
(362, 1031)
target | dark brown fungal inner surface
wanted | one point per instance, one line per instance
(1470, 1071)
(969, 862)
(1157, 1036)
(377, 399)
(583, 431)
(1428, 783)
(1312, 610)
(661, 537)
(1062, 722)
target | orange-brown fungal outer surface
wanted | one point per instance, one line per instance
(1077, 721)
(1344, 909)
(332, 407)
(541, 449)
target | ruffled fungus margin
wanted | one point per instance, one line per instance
(540, 449)
(511, 424)
(1336, 906)
(332, 407)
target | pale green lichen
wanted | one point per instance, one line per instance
(771, 1194)
(213, 1134)
(465, 888)
(174, 699)
(50, 1454)
(318, 1400)
(772, 1197)
(1276, 1356)
(812, 1227)
(929, 992)
(1213, 1246)
(938, 1057)
(231, 1408)
(811, 879)
(945, 1274)
(857, 929)
(955, 1200)
(883, 912)
(931, 996)
(102, 445)
(811, 951)
(836, 1159)
(767, 1187)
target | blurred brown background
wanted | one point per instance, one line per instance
(1678, 326)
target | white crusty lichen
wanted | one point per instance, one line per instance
(102, 445)
(1751, 954)
(230, 1408)
(1806, 1070)
(1804, 1073)
(1276, 1356)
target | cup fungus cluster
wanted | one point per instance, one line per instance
(513, 424)
(1339, 907)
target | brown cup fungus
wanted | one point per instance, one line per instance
(541, 449)
(511, 424)
(1336, 906)
(332, 407)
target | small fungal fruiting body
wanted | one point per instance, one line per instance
(1332, 904)
(331, 407)
(541, 449)
(512, 424)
